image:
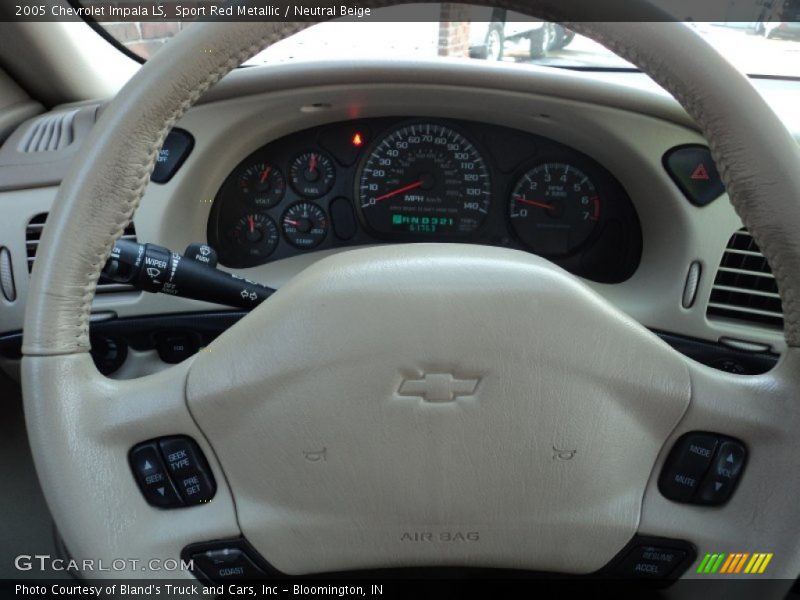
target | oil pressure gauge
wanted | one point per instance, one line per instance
(256, 236)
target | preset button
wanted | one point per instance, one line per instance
(188, 469)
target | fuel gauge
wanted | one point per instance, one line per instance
(312, 174)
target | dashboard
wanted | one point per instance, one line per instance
(406, 179)
(405, 151)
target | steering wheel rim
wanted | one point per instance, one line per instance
(61, 386)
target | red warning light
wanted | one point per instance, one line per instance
(700, 173)
(358, 139)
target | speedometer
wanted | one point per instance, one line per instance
(423, 179)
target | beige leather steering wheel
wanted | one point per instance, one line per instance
(554, 366)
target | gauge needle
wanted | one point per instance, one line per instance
(405, 188)
(535, 203)
(312, 163)
(264, 174)
(290, 222)
(251, 220)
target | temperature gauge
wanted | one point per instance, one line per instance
(256, 235)
(305, 225)
(262, 185)
(312, 174)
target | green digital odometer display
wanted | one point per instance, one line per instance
(414, 224)
(423, 179)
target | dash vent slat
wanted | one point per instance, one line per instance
(33, 233)
(744, 287)
(49, 133)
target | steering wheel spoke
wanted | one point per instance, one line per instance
(82, 427)
(762, 412)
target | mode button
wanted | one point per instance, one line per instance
(686, 465)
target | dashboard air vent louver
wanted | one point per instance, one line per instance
(34, 231)
(49, 133)
(744, 288)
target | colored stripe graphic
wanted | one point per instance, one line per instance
(740, 564)
(764, 564)
(703, 563)
(737, 558)
(754, 562)
(734, 563)
(729, 563)
(717, 562)
(711, 563)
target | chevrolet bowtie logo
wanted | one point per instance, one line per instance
(438, 387)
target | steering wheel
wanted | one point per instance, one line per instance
(542, 415)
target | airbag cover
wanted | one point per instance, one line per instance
(428, 405)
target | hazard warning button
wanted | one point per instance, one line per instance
(693, 170)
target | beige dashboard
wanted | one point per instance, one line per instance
(622, 121)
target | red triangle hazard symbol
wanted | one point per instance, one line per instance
(700, 172)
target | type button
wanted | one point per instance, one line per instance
(188, 469)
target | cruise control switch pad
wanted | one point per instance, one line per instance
(172, 472)
(703, 468)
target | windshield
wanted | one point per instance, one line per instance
(767, 45)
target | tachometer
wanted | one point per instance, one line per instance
(554, 208)
(424, 179)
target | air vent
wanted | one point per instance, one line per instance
(49, 133)
(34, 232)
(744, 288)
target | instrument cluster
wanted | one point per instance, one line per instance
(425, 180)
